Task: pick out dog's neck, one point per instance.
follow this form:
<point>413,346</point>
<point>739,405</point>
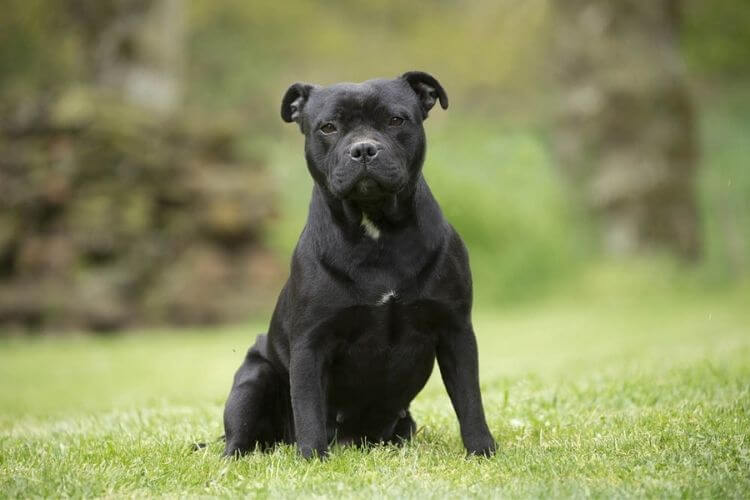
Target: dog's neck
<point>391,209</point>
<point>373,218</point>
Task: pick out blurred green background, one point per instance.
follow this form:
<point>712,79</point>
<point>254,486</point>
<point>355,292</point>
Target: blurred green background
<point>594,158</point>
<point>211,187</point>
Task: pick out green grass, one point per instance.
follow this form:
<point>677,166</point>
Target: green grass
<point>615,394</point>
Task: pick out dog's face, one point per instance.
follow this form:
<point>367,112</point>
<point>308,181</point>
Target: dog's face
<point>364,141</point>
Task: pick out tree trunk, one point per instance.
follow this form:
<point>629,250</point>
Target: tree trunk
<point>625,132</point>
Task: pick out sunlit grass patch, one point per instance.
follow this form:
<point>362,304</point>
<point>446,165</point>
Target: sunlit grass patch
<point>616,397</point>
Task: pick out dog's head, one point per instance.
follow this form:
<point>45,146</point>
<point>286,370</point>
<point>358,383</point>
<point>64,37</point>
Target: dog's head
<point>364,141</point>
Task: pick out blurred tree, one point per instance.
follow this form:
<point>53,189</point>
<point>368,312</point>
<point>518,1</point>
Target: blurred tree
<point>118,206</point>
<point>134,47</point>
<point>626,131</point>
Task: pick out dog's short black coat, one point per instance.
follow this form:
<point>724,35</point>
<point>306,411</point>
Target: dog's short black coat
<point>379,287</point>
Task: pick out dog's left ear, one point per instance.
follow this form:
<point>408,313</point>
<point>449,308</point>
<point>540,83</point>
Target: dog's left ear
<point>293,101</point>
<point>427,88</point>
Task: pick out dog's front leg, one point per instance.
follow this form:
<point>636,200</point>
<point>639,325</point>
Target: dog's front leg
<point>459,367</point>
<point>308,401</point>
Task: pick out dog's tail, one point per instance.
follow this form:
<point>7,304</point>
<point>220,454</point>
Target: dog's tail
<point>200,446</point>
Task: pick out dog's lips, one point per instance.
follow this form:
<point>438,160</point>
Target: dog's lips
<point>365,182</point>
<point>367,188</point>
<point>370,190</point>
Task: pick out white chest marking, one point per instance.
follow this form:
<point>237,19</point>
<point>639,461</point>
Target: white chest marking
<point>371,229</point>
<point>387,296</point>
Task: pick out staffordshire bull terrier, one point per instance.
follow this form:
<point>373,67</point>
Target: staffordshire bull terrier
<point>380,285</point>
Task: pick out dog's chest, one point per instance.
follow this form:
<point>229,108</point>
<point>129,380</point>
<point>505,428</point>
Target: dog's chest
<point>387,343</point>
<point>388,276</point>
<point>387,355</point>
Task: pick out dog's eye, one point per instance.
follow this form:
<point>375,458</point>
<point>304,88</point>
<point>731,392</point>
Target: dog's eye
<point>396,121</point>
<point>328,128</point>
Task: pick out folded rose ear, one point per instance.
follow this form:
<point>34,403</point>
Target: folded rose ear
<point>427,88</point>
<point>294,100</point>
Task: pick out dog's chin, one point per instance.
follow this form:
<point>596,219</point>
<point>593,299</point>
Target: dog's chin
<point>370,191</point>
<point>367,189</point>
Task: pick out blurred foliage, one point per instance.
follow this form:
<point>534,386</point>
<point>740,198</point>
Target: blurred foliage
<point>243,54</point>
<point>34,52</point>
<point>725,184</point>
<point>488,160</point>
<point>247,53</point>
<point>500,190</point>
<point>113,212</point>
<point>109,219</point>
<point>716,37</point>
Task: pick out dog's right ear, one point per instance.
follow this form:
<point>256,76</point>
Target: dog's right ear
<point>293,102</point>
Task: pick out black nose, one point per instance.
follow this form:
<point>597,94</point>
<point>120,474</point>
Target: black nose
<point>363,151</point>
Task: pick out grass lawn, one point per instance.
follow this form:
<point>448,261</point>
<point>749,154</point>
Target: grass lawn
<point>611,396</point>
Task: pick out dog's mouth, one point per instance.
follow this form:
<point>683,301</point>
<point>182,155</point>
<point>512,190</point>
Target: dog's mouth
<point>359,183</point>
<point>367,189</point>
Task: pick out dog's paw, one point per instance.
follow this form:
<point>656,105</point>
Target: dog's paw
<point>309,452</point>
<point>484,448</point>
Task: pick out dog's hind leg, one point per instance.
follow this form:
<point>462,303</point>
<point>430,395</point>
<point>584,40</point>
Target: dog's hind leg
<point>254,413</point>
<point>405,428</point>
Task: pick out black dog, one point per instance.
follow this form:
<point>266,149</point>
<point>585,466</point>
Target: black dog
<point>379,287</point>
